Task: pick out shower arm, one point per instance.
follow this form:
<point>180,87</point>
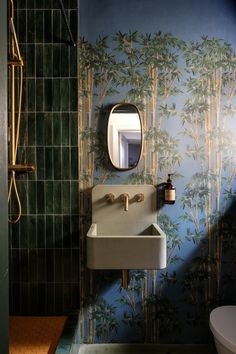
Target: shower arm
<point>67,23</point>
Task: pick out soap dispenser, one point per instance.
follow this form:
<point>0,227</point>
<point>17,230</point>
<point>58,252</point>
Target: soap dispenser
<point>169,191</point>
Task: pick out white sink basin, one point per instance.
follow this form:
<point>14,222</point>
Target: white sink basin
<point>146,250</point>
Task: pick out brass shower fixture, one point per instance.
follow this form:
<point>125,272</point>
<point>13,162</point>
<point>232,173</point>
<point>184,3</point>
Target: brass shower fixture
<point>15,62</point>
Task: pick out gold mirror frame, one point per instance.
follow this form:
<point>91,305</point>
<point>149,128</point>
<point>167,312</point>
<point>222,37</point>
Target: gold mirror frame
<point>134,110</point>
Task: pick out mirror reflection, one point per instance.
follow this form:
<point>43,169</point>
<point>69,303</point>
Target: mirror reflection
<point>124,136</point>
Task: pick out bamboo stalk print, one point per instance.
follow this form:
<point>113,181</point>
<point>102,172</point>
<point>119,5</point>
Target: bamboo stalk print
<point>144,69</point>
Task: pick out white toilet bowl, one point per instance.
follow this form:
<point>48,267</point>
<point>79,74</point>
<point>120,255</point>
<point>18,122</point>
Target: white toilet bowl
<point>223,327</point>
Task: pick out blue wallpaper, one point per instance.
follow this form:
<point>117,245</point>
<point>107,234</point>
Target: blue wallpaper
<point>176,61</point>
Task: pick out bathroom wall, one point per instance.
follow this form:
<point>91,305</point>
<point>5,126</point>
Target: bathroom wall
<point>44,247</point>
<point>176,61</point>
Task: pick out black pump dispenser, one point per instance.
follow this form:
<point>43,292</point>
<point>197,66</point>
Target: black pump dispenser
<point>169,191</point>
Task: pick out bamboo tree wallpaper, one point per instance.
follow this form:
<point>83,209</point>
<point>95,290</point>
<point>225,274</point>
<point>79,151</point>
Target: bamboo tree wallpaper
<point>185,90</point>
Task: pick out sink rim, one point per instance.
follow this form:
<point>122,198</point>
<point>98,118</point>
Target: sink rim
<point>92,233</point>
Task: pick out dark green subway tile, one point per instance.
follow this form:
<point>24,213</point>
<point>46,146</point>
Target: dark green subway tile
<point>74,197</point>
<point>22,190</point>
<point>31,94</point>
<point>47,25</point>
<point>41,266</point>
<point>66,297</point>
<point>74,23</point>
<point>47,63</point>
<point>58,265</point>
<point>31,129</point>
<point>48,94</point>
<point>73,4</point>
<point>24,232</point>
<point>49,163</point>
<point>23,129</point>
<point>75,295</point>
<point>48,128</point>
<point>39,95</point>
<point>30,61</point>
<point>66,231</point>
<point>56,94</point>
<point>40,165</point>
<point>58,297</point>
<point>39,4</point>
<point>20,4</point>
<point>24,298</point>
<point>65,104</point>
<point>15,288</point>
<point>31,159</point>
<point>65,37</point>
<point>40,197</point>
<point>57,163</point>
<point>73,129</point>
<point>30,4</point>
<point>75,265</point>
<point>33,256</point>
<point>24,265</point>
<point>39,27</point>
<point>49,197</point>
<point>74,163</point>
<point>33,298</point>
<point>15,266</point>
<point>42,298</point>
<point>31,26</point>
<point>41,231</point>
<point>65,163</point>
<point>24,104</point>
<point>21,34</point>
<point>55,4</point>
<point>57,197</point>
<point>66,266</point>
<point>48,4</point>
<point>56,26</point>
<point>40,129</point>
<point>65,124</point>
<point>56,60</point>
<point>58,231</point>
<point>64,61</point>
<point>56,129</point>
<point>39,60</point>
<point>66,197</point>
<point>73,94</point>
<point>32,186</point>
<point>73,61</point>
<point>21,156</point>
<point>50,299</point>
<point>50,265</point>
<point>74,231</point>
<point>32,231</point>
<point>49,232</point>
<point>15,235</point>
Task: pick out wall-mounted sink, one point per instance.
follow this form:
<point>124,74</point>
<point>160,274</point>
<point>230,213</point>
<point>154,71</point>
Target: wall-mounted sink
<point>145,250</point>
<point>124,233</point>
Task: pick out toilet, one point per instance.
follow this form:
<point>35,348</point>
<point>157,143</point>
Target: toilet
<point>223,327</point>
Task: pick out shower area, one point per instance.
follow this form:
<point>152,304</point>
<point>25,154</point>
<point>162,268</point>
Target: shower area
<point>42,175</point>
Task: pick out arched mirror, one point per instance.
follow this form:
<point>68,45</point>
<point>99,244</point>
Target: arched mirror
<point>124,136</point>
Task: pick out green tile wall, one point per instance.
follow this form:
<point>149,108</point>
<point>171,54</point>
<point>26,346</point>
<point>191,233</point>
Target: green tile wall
<point>44,245</point>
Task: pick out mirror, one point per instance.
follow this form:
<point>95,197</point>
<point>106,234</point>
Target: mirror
<point>124,136</point>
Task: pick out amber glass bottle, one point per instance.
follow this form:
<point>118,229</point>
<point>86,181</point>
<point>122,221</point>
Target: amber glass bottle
<point>169,191</point>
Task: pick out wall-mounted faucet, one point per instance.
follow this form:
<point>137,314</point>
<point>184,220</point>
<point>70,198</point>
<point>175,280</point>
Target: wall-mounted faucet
<point>125,198</point>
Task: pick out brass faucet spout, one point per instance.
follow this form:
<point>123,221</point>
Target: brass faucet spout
<point>125,198</point>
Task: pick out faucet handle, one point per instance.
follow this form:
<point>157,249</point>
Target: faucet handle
<point>139,197</point>
<point>110,197</point>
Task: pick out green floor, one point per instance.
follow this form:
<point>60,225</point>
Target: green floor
<point>146,349</point>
